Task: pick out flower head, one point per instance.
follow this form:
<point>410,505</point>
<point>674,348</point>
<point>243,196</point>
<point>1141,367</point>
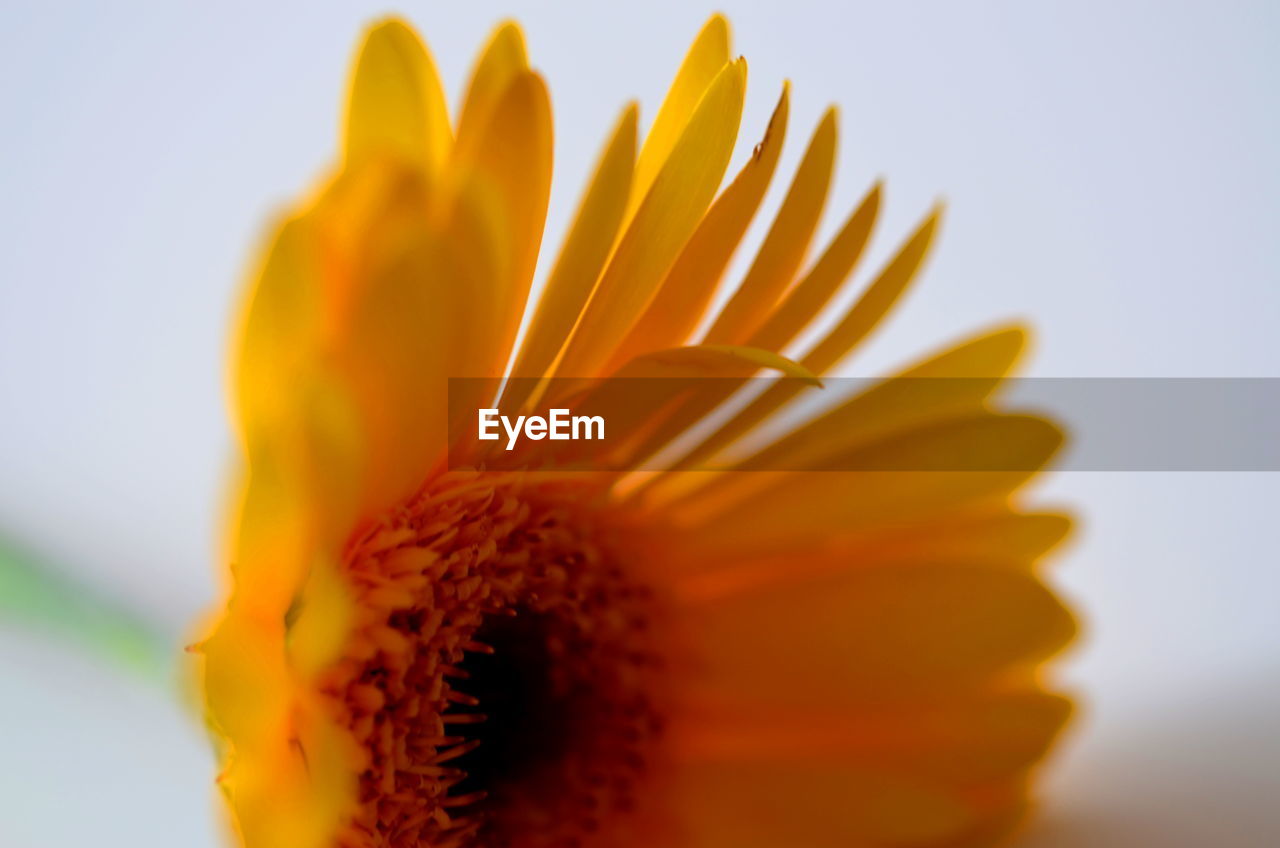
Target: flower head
<point>413,653</point>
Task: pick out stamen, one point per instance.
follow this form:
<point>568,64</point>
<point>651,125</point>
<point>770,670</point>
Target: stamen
<point>500,665</point>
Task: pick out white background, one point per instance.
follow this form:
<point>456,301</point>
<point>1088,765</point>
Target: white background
<point>1111,173</point>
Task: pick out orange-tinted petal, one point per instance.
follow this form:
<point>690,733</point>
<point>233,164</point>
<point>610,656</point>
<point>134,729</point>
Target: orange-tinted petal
<point>874,633</point>
<point>503,58</point>
<point>957,740</point>
<point>811,294</point>
<point>581,259</point>
<point>784,247</point>
<point>680,303</point>
<point>766,804</point>
<point>957,380</point>
<point>510,160</point>
<point>848,332</point>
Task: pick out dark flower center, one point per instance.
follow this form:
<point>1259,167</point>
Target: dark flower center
<point>527,721</point>
<point>500,678</point>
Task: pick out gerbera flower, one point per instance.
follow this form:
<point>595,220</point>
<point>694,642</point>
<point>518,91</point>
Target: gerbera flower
<point>414,654</point>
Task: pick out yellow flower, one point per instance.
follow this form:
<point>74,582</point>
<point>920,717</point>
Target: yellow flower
<point>416,655</point>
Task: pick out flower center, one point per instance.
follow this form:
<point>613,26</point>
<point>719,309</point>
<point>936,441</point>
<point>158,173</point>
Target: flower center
<point>499,680</point>
<point>526,719</point>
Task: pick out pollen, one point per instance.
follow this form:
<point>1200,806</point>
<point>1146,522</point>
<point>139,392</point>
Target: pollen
<point>499,684</point>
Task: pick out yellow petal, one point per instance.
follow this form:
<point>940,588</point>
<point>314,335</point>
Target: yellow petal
<point>986,457</point>
<point>812,293</point>
<point>877,300</point>
<point>726,369</point>
<point>295,793</point>
<point>713,361</point>
<point>503,58</point>
<point>685,293</point>
<point>320,619</point>
<point>852,329</point>
<point>645,394</point>
<point>510,159</point>
<point>304,475</point>
<point>424,284</point>
<point>246,682</point>
<point>670,212</point>
<point>396,105</point>
<point>707,56</point>
<point>784,248</point>
<point>948,383</point>
<point>578,267</point>
<point>280,323</point>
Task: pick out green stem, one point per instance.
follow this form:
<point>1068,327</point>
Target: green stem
<point>35,594</point>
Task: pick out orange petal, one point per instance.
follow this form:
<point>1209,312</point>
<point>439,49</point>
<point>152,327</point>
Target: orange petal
<point>877,300</point>
<point>812,293</point>
<point>994,534</point>
<point>581,259</point>
<point>954,740</point>
<point>645,392</point>
<point>784,247</point>
<point>503,58</point>
<point>680,303</point>
<point>852,329</point>
<point>768,804</point>
<point>897,482</point>
<point>510,159</point>
<point>873,634</point>
<point>957,380</point>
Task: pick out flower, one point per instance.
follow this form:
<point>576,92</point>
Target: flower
<point>417,654</point>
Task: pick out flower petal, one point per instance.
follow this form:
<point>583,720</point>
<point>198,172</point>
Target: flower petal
<point>503,58</point>
<point>510,159</point>
<point>764,804</point>
<point>712,361</point>
<point>902,477</point>
<point>811,294</point>
<point>951,382</point>
<point>396,104</point>
<point>585,251</point>
<point>878,299</point>
<point>644,393</point>
<point>784,247</point>
<point>852,329</point>
<point>680,303</point>
<point>957,739</point>
<point>666,218</point>
<point>874,634</point>
<point>707,56</point>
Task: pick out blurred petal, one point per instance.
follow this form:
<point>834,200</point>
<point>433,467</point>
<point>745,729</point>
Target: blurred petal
<point>396,105</point>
